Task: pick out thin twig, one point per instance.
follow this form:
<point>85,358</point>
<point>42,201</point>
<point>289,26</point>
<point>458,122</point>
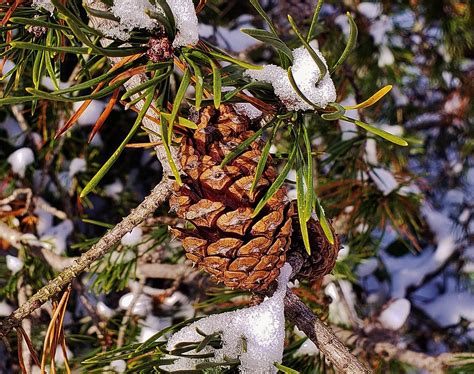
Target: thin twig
<point>321,335</point>
<point>390,351</point>
<point>157,197</point>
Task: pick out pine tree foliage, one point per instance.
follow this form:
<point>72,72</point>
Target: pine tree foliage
<point>62,95</point>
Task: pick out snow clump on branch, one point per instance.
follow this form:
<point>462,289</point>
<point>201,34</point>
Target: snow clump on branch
<point>132,15</point>
<point>306,74</point>
<point>262,327</point>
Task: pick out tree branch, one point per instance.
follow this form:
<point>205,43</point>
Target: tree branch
<point>321,335</point>
<point>390,351</point>
<point>157,197</point>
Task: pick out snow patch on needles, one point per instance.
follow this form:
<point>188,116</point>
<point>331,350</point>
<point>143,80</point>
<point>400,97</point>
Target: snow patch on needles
<point>262,326</point>
<point>306,74</point>
<point>132,15</point>
<point>44,4</point>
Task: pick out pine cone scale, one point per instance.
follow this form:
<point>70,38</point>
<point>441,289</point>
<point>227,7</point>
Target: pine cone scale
<point>236,248</point>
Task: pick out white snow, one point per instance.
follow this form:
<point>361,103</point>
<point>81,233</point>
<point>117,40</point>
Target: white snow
<point>308,347</point>
<point>449,308</point>
<point>119,366</point>
<point>371,152</point>
<point>20,159</point>
<point>15,134</point>
<point>247,109</point>
<point>59,356</point>
<point>48,83</point>
<point>132,16</point>
<point>114,190</point>
<point>152,325</point>
<point>410,270</point>
<point>133,237</point>
<point>186,22</point>
<point>394,316</point>
<point>379,29</point>
<point>370,10</point>
<point>367,267</point>
<point>384,180</point>
<point>306,73</point>
<point>5,309</point>
<point>104,311</point>
<point>342,307</point>
<point>77,165</point>
<point>7,66</point>
<point>91,114</point>
<point>341,21</point>
<point>14,264</point>
<point>44,4</point>
<point>57,235</point>
<point>349,130</point>
<point>262,326</point>
<point>141,307</point>
<point>386,57</point>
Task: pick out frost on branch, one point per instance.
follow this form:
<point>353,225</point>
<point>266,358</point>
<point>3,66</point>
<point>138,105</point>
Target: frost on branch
<point>306,74</point>
<point>132,16</point>
<point>262,327</point>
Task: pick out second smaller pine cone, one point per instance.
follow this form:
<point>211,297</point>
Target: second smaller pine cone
<point>323,253</point>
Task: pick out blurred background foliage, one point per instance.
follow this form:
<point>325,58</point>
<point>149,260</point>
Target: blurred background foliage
<point>423,48</point>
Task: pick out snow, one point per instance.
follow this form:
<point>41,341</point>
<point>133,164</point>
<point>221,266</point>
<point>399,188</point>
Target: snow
<point>307,348</point>
<point>153,325</point>
<point>48,83</point>
<point>395,315</point>
<point>119,366</point>
<point>247,109</point>
<point>379,29</point>
<point>343,252</point>
<point>77,165</point>
<point>342,307</point>
<point>371,152</point>
<point>262,326</point>
<point>8,65</point>
<point>370,10</point>
<point>410,270</point>
<point>44,4</point>
<point>349,130</point>
<point>57,236</point>
<point>306,73</point>
<point>449,308</point>
<point>341,21</point>
<point>91,114</point>
<point>186,22</point>
<point>114,190</point>
<point>59,356</point>
<point>14,264</point>
<point>5,309</point>
<point>142,305</point>
<point>15,134</point>
<point>20,159</point>
<point>132,16</point>
<point>104,311</point>
<point>386,57</point>
<point>384,180</point>
<point>367,267</point>
<point>133,237</point>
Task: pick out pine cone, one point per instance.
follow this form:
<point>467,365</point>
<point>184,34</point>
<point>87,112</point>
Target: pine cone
<point>323,253</point>
<point>235,248</point>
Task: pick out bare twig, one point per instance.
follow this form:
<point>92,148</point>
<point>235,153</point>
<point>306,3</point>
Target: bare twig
<point>159,195</point>
<point>390,351</point>
<point>321,335</point>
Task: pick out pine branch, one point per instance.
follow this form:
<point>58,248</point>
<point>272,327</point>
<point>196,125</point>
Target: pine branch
<point>321,335</point>
<point>390,351</point>
<point>157,197</point>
